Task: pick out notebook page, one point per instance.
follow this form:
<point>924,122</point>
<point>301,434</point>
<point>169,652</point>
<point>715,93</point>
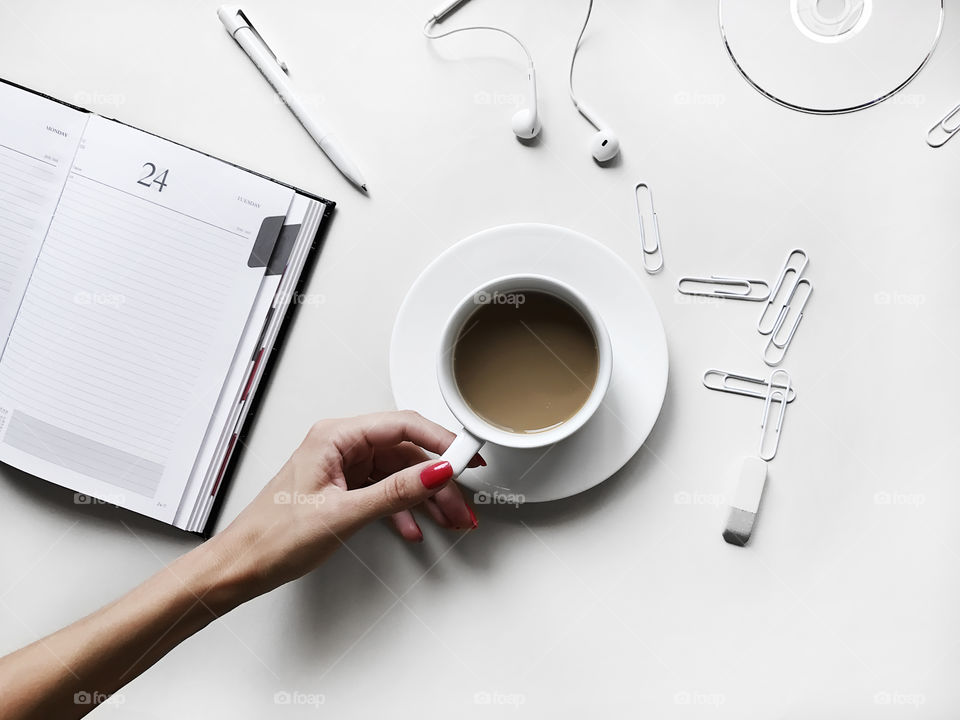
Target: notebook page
<point>286,296</point>
<point>220,425</point>
<point>38,139</point>
<point>132,317</point>
<point>300,228</point>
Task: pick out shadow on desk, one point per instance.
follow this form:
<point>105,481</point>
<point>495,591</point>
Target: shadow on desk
<point>377,574</point>
<point>72,506</point>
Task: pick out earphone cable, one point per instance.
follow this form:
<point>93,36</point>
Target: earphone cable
<point>518,41</point>
<point>573,62</point>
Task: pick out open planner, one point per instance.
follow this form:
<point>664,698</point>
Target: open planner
<point>143,287</point>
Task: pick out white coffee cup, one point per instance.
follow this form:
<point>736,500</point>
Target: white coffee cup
<point>477,431</point>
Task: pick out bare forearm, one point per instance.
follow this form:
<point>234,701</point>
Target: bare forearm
<point>320,497</point>
<point>64,674</point>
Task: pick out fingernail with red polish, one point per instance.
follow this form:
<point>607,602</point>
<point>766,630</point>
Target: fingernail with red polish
<point>433,476</point>
<point>473,518</point>
<point>482,461</point>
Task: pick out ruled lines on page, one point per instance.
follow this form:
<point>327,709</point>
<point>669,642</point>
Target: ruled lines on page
<point>133,315</point>
<point>106,346</point>
<point>26,184</point>
<point>38,140</point>
<point>253,356</point>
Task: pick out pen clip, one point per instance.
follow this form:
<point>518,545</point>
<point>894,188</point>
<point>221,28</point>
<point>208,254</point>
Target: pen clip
<point>280,62</point>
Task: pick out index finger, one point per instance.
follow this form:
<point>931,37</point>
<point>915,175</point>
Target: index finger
<point>358,436</point>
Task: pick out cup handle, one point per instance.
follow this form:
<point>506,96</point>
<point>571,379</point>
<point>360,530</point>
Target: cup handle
<point>461,451</point>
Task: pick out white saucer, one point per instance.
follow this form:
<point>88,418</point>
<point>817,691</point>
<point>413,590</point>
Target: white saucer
<point>637,386</point>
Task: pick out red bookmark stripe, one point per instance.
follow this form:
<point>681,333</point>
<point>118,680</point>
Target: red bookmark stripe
<point>223,467</point>
<point>253,374</point>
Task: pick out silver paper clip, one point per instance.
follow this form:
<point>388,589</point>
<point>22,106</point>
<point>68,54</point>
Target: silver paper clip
<point>778,390</point>
<point>777,345</point>
<point>793,268</point>
<point>725,288</point>
<point>745,385</point>
<point>652,254</point>
<point>941,132</point>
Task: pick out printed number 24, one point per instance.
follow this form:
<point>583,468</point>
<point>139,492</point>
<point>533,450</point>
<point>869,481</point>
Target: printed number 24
<point>152,177</point>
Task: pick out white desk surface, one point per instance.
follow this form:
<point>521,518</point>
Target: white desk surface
<point>625,600</point>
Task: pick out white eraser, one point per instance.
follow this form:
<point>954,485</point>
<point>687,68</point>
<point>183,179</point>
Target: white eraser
<point>746,501</point>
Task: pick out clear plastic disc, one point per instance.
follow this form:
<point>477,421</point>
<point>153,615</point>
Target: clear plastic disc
<point>830,56</point>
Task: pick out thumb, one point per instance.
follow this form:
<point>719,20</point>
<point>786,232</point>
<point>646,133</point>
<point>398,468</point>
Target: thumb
<point>402,490</point>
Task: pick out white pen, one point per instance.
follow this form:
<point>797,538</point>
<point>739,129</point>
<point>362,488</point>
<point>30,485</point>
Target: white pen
<point>275,71</point>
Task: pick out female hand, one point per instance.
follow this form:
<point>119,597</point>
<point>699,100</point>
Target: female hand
<point>344,474</point>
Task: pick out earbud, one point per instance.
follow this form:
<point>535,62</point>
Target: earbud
<point>526,124</point>
<point>526,121</point>
<point>604,145</point>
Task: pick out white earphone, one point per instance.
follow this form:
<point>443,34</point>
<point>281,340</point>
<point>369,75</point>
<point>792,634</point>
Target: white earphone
<point>525,121</point>
<point>604,145</point>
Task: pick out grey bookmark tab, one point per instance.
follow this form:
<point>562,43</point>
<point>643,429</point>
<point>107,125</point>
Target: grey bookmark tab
<point>283,248</point>
<point>266,241</point>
